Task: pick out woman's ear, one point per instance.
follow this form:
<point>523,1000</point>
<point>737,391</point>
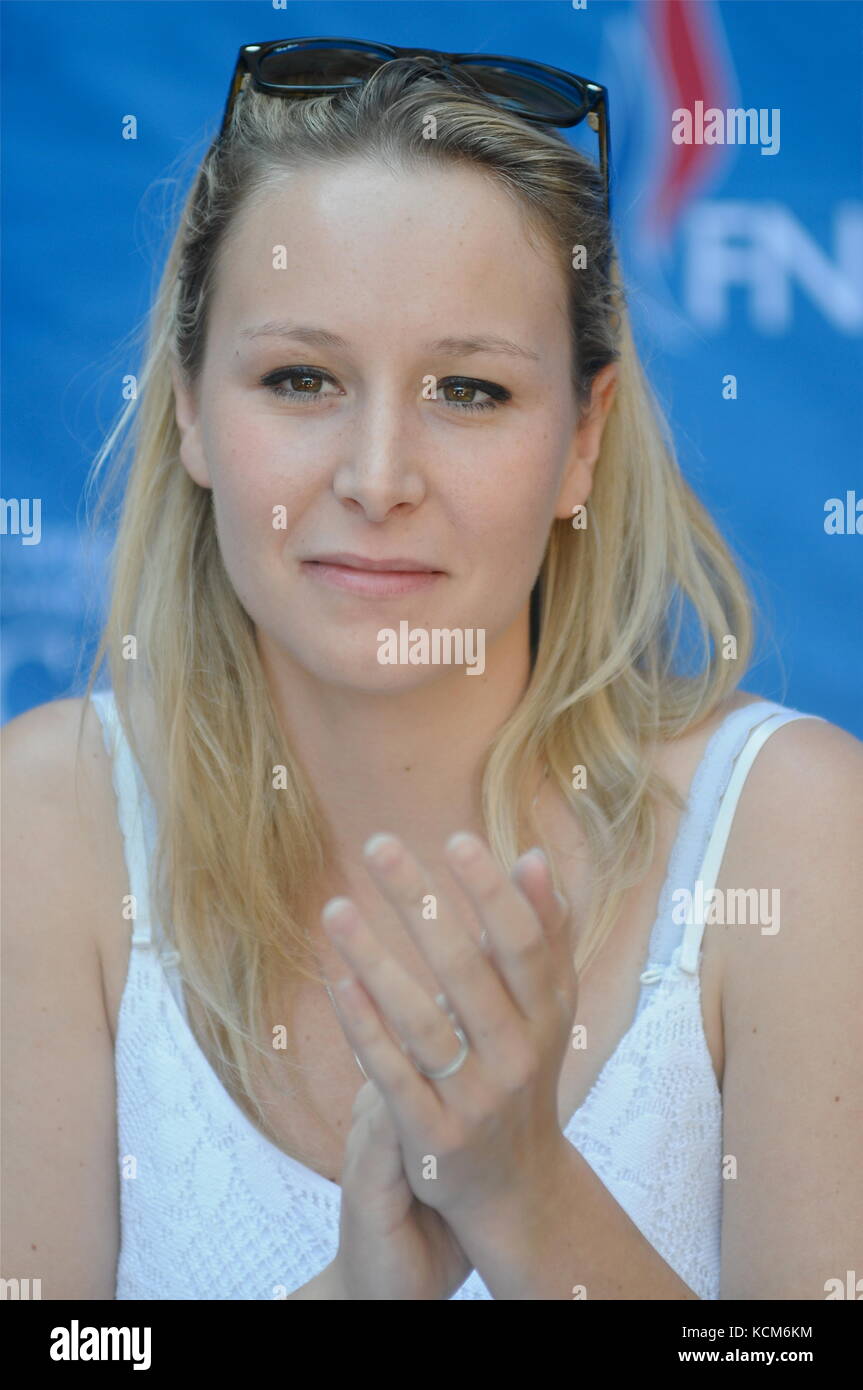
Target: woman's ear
<point>586,441</point>
<point>188,423</point>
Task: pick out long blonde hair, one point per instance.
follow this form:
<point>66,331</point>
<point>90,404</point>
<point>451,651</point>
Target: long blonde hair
<point>239,862</point>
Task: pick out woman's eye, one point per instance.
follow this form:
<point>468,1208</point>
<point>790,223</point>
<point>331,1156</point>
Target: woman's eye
<point>466,388</point>
<point>304,385</point>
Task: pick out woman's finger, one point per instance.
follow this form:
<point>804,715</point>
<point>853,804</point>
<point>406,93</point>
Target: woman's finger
<point>384,993</point>
<point>532,877</point>
<point>516,935</point>
<point>468,978</point>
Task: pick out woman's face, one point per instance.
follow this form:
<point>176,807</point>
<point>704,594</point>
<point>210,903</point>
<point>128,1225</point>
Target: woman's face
<point>344,299</point>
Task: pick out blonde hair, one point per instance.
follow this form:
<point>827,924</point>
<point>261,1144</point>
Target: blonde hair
<point>239,864</point>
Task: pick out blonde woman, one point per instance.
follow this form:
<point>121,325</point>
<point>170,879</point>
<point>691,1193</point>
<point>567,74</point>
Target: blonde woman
<point>294,1007</point>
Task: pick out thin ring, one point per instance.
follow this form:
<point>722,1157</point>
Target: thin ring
<point>457,1062</point>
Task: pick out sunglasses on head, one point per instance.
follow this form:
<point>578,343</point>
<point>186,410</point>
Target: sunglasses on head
<point>533,91</point>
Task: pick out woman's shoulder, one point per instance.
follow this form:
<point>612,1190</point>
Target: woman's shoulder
<point>43,730</point>
<point>810,748</point>
<point>793,856</point>
<point>801,799</point>
<point>61,824</point>
<point>804,754</point>
<point>55,757</point>
<point>799,818</point>
<point>796,831</point>
<point>43,761</point>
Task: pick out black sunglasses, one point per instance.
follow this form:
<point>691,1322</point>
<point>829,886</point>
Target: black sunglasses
<point>533,91</point>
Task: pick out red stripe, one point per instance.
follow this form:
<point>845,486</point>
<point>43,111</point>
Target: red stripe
<point>682,43</point>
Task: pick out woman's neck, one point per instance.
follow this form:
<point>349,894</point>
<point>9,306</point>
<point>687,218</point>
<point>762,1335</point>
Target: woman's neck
<point>410,762</point>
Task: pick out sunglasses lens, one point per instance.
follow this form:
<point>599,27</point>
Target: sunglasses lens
<point>520,92</point>
<point>319,66</point>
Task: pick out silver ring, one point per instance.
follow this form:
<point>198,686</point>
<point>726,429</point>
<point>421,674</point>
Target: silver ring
<point>454,1065</point>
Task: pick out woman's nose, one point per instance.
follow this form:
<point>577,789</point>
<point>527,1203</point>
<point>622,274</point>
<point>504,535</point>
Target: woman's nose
<point>381,469</point>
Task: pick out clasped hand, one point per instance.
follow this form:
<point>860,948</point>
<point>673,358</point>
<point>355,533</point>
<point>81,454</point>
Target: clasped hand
<point>488,1133</point>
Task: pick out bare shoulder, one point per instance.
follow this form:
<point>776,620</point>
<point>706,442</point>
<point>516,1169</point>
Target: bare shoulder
<point>46,737</point>
<point>804,786</point>
<point>813,748</point>
<point>798,830</point>
<point>41,784</point>
<point>40,732</point>
<point>810,748</point>
<point>60,824</point>
<point>57,778</point>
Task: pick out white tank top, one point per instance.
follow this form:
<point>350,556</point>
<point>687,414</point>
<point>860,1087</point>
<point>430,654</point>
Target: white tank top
<point>212,1209</point>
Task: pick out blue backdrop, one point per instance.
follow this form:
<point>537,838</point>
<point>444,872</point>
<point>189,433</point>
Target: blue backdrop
<point>742,264</point>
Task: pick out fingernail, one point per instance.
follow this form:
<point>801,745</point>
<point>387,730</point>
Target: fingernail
<point>339,913</point>
<point>463,847</point>
<point>383,850</point>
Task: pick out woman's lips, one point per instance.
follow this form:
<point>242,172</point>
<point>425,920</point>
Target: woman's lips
<point>371,583</point>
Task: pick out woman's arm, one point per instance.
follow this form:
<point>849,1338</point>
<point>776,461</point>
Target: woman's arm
<point>325,1285</point>
<point>572,1241</point>
<point>60,1181</point>
<point>793,1215</point>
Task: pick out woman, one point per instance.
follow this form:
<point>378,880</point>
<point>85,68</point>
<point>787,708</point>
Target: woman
<point>513,1076</point>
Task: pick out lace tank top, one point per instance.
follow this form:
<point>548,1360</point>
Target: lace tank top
<point>216,1211</point>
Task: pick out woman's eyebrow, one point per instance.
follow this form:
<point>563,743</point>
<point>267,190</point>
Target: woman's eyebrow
<point>451,347</point>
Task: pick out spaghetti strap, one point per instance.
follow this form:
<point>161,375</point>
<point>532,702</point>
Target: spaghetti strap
<point>713,855</point>
<point>129,813</point>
